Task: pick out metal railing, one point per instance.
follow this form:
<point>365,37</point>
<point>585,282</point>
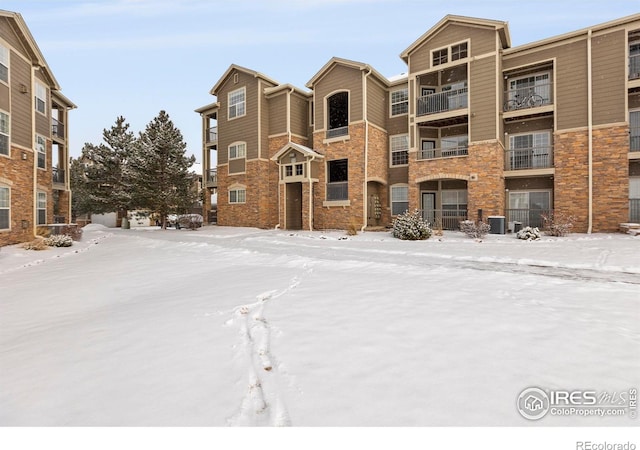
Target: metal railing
<point>434,153</point>
<point>443,101</point>
<point>212,177</point>
<point>528,97</point>
<point>336,132</point>
<point>57,128</point>
<point>634,210</point>
<point>212,135</point>
<point>445,219</point>
<point>634,67</point>
<point>57,175</point>
<point>338,191</point>
<point>634,140</point>
<point>529,158</point>
<point>527,217</point>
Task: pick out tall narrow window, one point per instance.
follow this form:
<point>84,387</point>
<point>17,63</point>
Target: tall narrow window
<point>5,208</point>
<point>400,150</point>
<point>634,60</point>
<point>399,199</point>
<point>41,147</point>
<point>399,102</point>
<point>338,114</point>
<point>237,103</point>
<point>4,64</point>
<point>42,208</point>
<point>41,98</point>
<point>4,133</point>
<point>634,131</point>
<point>338,180</point>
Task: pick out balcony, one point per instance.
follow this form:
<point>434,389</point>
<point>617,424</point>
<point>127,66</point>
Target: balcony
<point>57,128</point>
<point>540,157</point>
<point>526,98</point>
<point>212,135</point>
<point>634,210</point>
<point>634,140</point>
<point>58,175</point>
<point>443,102</point>
<point>212,178</point>
<point>634,67</point>
<point>444,219</point>
<point>446,152</point>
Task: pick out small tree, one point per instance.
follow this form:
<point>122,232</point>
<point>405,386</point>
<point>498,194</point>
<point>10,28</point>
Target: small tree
<point>411,226</point>
<point>163,182</point>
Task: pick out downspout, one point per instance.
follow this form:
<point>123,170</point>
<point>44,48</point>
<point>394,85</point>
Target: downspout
<point>310,191</point>
<point>590,127</point>
<point>365,204</point>
<point>34,211</point>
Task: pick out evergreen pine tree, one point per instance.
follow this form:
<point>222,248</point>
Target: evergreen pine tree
<point>108,179</point>
<point>164,183</point>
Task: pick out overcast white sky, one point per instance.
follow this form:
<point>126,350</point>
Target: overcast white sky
<point>137,57</point>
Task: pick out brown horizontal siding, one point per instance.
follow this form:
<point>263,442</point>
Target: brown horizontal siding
<point>482,92</point>
<point>21,104</point>
<point>339,78</point>
<point>4,97</point>
<point>6,33</point>
<point>609,71</point>
<point>299,115</point>
<point>278,114</point>
<point>528,126</point>
<point>377,103</point>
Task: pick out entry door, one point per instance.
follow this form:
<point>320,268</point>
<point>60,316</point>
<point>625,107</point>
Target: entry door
<point>429,207</point>
<point>294,206</point>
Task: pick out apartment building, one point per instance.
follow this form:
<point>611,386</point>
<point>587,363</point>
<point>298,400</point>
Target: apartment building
<point>475,128</point>
<point>34,154</point>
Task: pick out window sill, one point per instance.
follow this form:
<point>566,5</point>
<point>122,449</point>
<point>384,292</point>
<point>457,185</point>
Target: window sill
<point>336,203</point>
<point>344,138</point>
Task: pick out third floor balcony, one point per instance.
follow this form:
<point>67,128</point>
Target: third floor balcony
<point>451,98</point>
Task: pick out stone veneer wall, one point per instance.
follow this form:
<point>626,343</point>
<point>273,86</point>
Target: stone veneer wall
<point>571,186</point>
<point>17,174</point>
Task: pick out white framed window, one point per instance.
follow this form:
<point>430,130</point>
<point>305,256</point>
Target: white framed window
<point>238,150</point>
<point>5,208</point>
<point>459,51</point>
<point>41,148</point>
<point>237,195</point>
<point>237,107</point>
<point>399,150</point>
<point>41,98</point>
<point>4,133</point>
<point>4,64</point>
<point>440,56</point>
<point>42,208</point>
<point>399,102</point>
<point>399,199</point>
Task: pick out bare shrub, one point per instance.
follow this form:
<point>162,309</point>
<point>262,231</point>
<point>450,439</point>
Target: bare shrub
<point>475,230</point>
<point>36,244</point>
<point>557,224</point>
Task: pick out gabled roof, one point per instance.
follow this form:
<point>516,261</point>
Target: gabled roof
<point>501,27</point>
<point>23,33</point>
<point>208,108</point>
<point>233,67</point>
<point>62,100</point>
<point>348,63</point>
<point>306,151</point>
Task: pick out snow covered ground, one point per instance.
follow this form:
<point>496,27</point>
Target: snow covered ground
<point>233,326</point>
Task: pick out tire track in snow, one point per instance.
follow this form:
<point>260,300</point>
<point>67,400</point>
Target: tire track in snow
<point>263,403</point>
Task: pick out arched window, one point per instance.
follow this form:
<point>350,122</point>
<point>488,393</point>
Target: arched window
<point>338,114</point>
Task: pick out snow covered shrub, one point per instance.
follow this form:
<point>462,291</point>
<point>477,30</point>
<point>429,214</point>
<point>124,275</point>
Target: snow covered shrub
<point>475,230</point>
<point>73,231</point>
<point>528,234</point>
<point>36,244</point>
<point>557,224</point>
<point>411,226</point>
<point>59,240</point>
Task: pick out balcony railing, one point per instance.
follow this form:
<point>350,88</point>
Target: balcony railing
<point>443,101</point>
<point>529,158</point>
<point>58,175</point>
<point>527,217</point>
<point>337,132</point>
<point>634,140</point>
<point>445,219</point>
<point>338,191</point>
<point>528,97</point>
<point>634,67</point>
<point>212,135</point>
<point>57,128</point>
<point>434,153</point>
<point>634,210</point>
<point>212,177</point>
